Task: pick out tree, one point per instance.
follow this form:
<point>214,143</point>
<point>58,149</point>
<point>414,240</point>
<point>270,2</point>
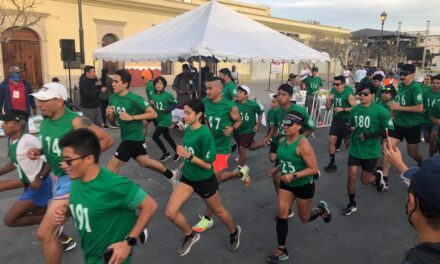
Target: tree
<point>16,15</point>
<point>336,47</point>
<point>358,50</point>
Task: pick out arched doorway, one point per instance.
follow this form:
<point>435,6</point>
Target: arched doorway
<point>23,50</point>
<point>109,65</point>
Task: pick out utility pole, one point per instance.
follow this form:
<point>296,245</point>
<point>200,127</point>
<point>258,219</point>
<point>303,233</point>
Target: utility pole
<point>81,32</point>
<point>424,43</point>
<point>399,28</point>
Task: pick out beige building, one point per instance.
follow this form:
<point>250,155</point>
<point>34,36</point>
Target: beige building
<point>37,49</point>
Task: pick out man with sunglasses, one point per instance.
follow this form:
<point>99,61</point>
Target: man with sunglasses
<point>377,82</point>
<point>408,115</point>
<point>368,123</point>
<point>341,98</point>
<point>102,203</point>
<point>434,114</point>
<point>57,122</point>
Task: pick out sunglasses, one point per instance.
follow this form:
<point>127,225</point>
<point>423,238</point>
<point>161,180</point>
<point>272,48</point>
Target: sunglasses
<point>404,73</point>
<point>290,124</point>
<point>69,161</point>
<point>363,94</point>
<point>336,84</point>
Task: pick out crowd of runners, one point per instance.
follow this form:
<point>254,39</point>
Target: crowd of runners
<point>111,212</point>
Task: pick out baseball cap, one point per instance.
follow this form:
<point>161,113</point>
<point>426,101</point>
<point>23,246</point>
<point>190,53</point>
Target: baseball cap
<point>147,74</point>
<point>16,115</point>
<point>244,88</point>
<point>389,88</point>
<point>378,77</point>
<point>425,180</point>
<point>14,69</point>
<point>292,76</point>
<point>50,91</point>
<point>292,117</point>
<point>409,67</point>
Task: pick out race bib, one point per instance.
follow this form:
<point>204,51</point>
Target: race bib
<point>16,95</point>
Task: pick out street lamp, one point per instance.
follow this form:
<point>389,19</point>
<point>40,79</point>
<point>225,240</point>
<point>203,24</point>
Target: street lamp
<point>383,17</point>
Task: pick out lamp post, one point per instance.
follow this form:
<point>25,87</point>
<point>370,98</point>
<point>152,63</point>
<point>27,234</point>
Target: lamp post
<point>383,17</point>
<point>81,32</point>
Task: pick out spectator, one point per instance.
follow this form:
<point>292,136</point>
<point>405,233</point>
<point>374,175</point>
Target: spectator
<point>206,74</point>
<point>194,76</point>
<point>360,74</point>
<point>347,74</point>
<point>14,93</point>
<point>89,91</point>
<point>184,86</point>
<point>106,91</point>
<point>55,79</point>
<point>423,205</point>
<point>234,74</point>
<point>292,81</point>
<point>305,72</point>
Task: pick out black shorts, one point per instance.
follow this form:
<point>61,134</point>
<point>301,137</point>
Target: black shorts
<point>273,147</point>
<point>339,128</point>
<point>246,140</point>
<point>130,149</point>
<point>204,188</point>
<point>367,165</point>
<point>411,134</point>
<point>302,192</point>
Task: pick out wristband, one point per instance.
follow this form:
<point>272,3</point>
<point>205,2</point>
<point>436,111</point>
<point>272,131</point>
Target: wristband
<point>191,158</point>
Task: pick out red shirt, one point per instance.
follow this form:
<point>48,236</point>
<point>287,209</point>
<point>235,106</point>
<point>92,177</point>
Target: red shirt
<point>18,95</point>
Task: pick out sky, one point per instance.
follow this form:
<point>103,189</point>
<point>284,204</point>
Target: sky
<point>356,14</point>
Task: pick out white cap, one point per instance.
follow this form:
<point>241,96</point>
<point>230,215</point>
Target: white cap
<point>420,79</point>
<point>50,91</point>
<point>245,88</point>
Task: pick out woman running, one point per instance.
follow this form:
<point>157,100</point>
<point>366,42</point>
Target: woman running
<point>297,166</point>
<point>198,176</point>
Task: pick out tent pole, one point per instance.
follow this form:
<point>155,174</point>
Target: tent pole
<point>270,72</point>
<point>200,78</point>
<point>282,72</point>
<point>328,75</point>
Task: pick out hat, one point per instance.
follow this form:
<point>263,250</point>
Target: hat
<point>50,91</point>
<point>378,77</point>
<point>389,88</point>
<point>147,74</point>
<point>14,69</point>
<point>425,180</point>
<point>292,75</point>
<point>292,117</point>
<point>16,115</point>
<point>409,67</point>
<point>244,88</point>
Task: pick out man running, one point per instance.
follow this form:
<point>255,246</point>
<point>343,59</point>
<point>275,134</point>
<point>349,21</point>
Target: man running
<point>223,118</point>
<point>103,204</point>
<point>368,123</point>
<point>148,77</point>
<point>130,110</point>
<point>431,97</point>
<point>57,122</point>
<point>342,100</point>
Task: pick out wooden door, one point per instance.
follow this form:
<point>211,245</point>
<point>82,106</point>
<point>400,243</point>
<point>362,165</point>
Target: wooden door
<point>24,51</point>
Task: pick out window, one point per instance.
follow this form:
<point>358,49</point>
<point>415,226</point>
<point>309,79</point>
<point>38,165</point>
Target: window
<point>166,68</point>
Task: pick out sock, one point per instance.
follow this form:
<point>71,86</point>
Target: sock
<point>332,158</point>
<point>351,197</point>
<point>282,230</point>
<point>385,179</point>
<point>207,217</point>
<point>168,174</point>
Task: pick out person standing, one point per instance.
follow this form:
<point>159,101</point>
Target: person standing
<point>359,75</point>
<point>198,148</point>
<point>14,93</point>
<point>347,74</point>
<point>234,74</point>
<point>184,86</point>
<point>311,84</point>
<point>292,81</point>
<point>89,91</point>
<point>106,91</point>
<point>229,87</point>
<point>110,211</point>
<point>305,72</point>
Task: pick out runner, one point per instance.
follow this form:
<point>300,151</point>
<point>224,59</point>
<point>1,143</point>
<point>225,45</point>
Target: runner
<point>223,118</point>
<point>434,115</point>
<point>368,123</point>
<point>248,110</point>
<point>148,77</point>
<point>33,174</point>
<point>164,103</point>
<point>431,97</point>
<point>408,116</point>
<point>377,82</point>
<point>297,166</point>
<point>229,87</point>
<point>270,118</point>
<point>103,204</point>
<point>57,122</point>
<point>198,176</point>
<point>342,100</point>
<point>311,84</point>
<point>130,109</point>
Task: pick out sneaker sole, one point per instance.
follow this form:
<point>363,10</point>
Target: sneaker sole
<point>71,247</point>
<point>238,228</point>
<point>352,211</point>
<point>169,157</point>
<point>143,237</point>
<point>177,159</point>
<point>200,230</point>
<point>197,238</point>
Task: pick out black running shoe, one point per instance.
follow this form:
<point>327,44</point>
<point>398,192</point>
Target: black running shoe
<point>234,240</point>
<point>351,208</point>
<point>379,182</point>
<point>326,215</point>
<point>143,237</point>
<point>317,175</point>
<point>331,167</point>
<point>176,157</point>
<point>280,255</point>
<point>165,157</point>
<point>188,242</point>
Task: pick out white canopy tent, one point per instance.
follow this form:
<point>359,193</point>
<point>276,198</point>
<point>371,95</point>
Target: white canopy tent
<point>211,30</point>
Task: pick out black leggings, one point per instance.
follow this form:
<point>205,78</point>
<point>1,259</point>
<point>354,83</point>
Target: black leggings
<point>166,134</point>
<point>104,104</point>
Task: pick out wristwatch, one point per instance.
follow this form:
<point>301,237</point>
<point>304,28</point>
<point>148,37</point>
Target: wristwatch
<point>132,241</point>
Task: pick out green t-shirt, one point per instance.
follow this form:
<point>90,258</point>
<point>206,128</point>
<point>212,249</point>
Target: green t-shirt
<point>312,84</point>
<point>161,102</point>
<point>291,162</point>
<point>365,80</point>
<point>229,90</point>
<point>378,95</point>
<point>372,118</point>
<point>430,100</point>
<point>280,113</point>
<point>270,117</point>
<point>409,95</point>
<point>103,211</point>
<point>342,100</point>
<point>132,104</point>
<point>149,89</point>
<point>13,156</point>
<point>218,116</point>
<point>435,112</point>
<point>385,104</point>
<point>51,132</point>
<point>200,143</point>
<point>248,112</point>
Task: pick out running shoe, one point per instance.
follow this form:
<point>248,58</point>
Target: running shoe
<point>113,126</point>
<point>326,215</point>
<point>245,175</point>
<point>379,182</point>
<point>188,242</point>
<point>68,245</point>
<point>291,213</point>
<point>351,208</point>
<point>176,157</point>
<point>165,157</point>
<point>278,256</point>
<point>317,175</point>
<point>175,179</point>
<point>181,126</point>
<point>143,237</point>
<point>234,239</point>
<point>385,187</point>
<point>331,167</point>
<point>203,224</point>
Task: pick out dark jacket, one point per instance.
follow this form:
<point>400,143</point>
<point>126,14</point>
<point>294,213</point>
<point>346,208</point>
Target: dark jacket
<point>89,92</point>
<point>5,97</point>
<point>108,82</point>
<point>423,253</point>
<point>184,88</point>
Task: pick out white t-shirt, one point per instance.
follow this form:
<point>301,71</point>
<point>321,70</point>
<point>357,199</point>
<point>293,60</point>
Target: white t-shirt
<point>359,75</point>
<point>346,74</point>
<point>304,73</point>
<point>30,167</point>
